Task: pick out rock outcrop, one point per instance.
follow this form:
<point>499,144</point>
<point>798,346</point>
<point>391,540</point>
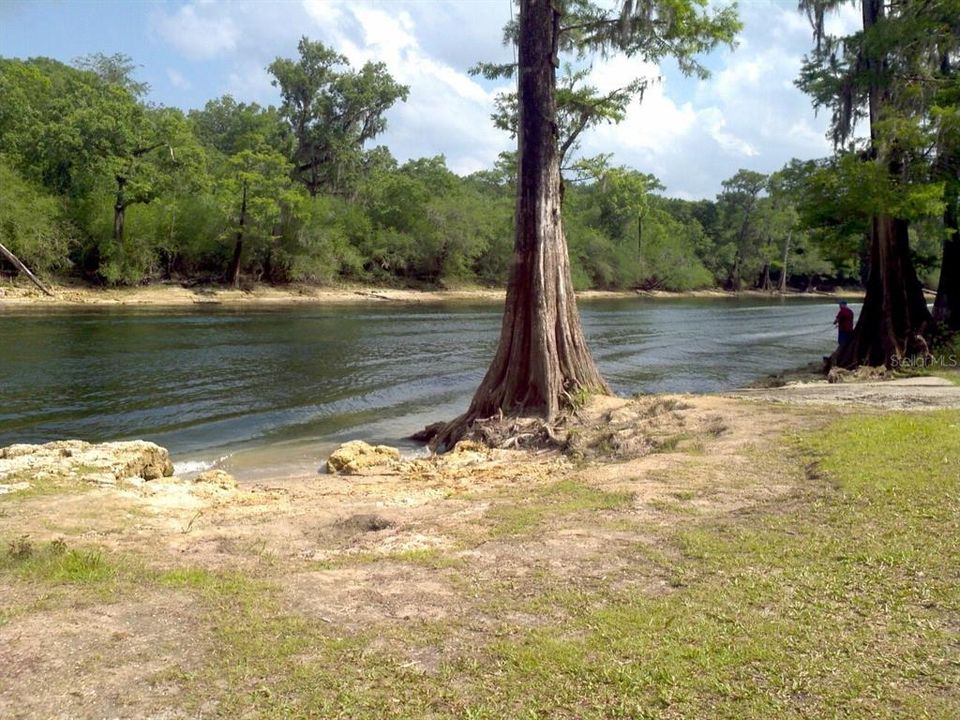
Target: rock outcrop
<point>103,464</point>
<point>220,478</point>
<point>354,457</point>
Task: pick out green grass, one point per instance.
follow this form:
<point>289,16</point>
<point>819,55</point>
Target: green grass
<point>844,606</point>
<point>566,497</point>
<point>430,557</point>
<point>40,486</point>
<point>55,564</point>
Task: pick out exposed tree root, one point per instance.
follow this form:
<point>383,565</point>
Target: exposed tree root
<point>604,428</point>
<point>498,431</point>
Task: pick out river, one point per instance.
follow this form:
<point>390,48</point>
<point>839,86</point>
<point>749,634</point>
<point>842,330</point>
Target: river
<point>260,389</point>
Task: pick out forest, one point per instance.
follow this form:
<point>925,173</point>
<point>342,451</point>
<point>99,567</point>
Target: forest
<point>100,185</point>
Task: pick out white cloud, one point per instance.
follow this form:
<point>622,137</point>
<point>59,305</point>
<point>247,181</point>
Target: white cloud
<point>200,31</point>
<point>713,121</point>
<point>322,12</point>
<point>177,79</point>
<point>251,81</point>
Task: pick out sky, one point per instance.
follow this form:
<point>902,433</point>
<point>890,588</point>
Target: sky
<point>690,133</point>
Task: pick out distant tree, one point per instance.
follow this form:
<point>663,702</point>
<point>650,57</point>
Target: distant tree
<point>332,110</point>
<point>256,185</point>
<point>739,208</point>
<point>542,358</point>
<point>87,137</point>
<point>230,127</point>
<point>116,69</point>
<point>945,114</point>
<point>783,226</point>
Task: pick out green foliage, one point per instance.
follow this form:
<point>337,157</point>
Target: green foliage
<point>332,112</point>
<point>116,69</point>
<point>898,73</point>
<point>229,127</point>
<point>32,223</point>
<point>319,246</point>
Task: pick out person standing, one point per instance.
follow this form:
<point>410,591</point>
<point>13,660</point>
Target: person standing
<point>844,323</point>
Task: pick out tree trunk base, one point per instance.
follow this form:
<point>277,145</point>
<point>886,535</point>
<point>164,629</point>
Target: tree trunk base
<point>894,322</point>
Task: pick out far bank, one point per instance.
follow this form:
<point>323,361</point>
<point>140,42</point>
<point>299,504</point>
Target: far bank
<point>175,294</point>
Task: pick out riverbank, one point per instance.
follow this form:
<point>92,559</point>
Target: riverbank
<point>174,295</point>
<point>689,556</point>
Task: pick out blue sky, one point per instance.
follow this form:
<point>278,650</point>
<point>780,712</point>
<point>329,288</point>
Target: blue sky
<point>692,134</point>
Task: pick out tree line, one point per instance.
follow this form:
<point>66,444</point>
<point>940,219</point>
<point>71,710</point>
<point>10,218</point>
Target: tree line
<point>97,182</point>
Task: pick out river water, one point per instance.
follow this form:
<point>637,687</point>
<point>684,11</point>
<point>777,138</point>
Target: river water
<point>254,390</point>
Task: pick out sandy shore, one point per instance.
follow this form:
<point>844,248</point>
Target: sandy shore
<point>173,295</point>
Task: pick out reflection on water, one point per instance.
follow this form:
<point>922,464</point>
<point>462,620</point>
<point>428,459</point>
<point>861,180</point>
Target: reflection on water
<point>285,385</point>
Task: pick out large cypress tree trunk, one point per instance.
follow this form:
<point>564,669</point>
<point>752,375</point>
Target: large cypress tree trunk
<point>542,357</point>
<point>894,317</point>
<point>946,310</point>
<point>894,311</point>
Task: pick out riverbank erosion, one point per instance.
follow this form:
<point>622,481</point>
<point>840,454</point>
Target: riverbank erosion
<point>175,295</point>
<point>685,556</point>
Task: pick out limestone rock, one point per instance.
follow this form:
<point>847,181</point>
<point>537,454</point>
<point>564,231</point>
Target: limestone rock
<point>356,456</point>
<point>466,452</point>
<point>219,478</point>
<point>102,464</point>
<point>14,487</point>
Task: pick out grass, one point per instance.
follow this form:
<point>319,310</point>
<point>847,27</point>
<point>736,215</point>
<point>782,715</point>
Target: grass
<point>566,497</point>
<point>55,564</point>
<point>844,606</point>
<point>948,374</point>
<point>40,485</point>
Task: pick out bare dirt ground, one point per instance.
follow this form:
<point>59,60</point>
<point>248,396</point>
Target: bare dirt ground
<point>440,540</point>
<point>917,393</point>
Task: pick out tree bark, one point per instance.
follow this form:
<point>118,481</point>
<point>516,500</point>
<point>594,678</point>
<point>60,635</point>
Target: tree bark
<point>786,256</point>
<point>119,210</point>
<point>894,318</point>
<point>946,309</point>
<point>542,357</point>
<point>18,264</point>
<point>894,313</point>
<point>233,272</point>
<point>734,281</point>
<point>765,283</point>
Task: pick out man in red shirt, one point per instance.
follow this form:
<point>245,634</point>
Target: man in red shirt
<point>844,323</point>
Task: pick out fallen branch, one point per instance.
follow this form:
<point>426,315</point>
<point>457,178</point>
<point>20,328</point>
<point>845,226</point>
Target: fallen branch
<point>24,269</point>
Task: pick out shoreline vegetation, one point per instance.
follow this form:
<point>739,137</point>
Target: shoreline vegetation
<point>176,295</point>
<point>753,555</point>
